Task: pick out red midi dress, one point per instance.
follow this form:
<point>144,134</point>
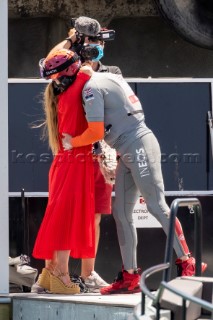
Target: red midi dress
<point>68,223</point>
<point>103,191</point>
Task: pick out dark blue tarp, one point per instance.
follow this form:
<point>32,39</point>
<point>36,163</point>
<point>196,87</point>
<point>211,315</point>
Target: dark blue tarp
<point>176,112</point>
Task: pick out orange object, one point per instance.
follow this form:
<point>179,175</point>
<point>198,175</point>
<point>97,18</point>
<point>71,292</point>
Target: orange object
<point>93,133</point>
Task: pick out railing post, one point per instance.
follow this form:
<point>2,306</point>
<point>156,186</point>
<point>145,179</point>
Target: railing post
<point>183,309</point>
<point>197,234</point>
<point>144,290</point>
<point>170,240</point>
<point>143,302</point>
<point>23,206</point>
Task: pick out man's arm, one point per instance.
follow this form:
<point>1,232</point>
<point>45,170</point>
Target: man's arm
<point>94,111</point>
<point>93,133</point>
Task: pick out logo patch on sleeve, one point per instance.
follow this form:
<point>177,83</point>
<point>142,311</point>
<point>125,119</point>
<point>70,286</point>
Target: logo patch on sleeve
<point>133,98</point>
<point>88,94</point>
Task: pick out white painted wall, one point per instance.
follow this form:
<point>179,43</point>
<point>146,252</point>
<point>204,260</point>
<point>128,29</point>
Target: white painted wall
<point>4,208</point>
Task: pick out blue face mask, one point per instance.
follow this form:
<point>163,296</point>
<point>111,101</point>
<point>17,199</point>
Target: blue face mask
<point>100,51</point>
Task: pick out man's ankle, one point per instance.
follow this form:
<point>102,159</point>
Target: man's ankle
<point>185,257</point>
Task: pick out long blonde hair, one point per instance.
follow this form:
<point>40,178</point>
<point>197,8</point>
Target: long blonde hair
<point>51,118</point>
<point>50,101</point>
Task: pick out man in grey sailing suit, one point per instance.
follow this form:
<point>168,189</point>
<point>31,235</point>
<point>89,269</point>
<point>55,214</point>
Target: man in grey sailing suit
<point>112,107</point>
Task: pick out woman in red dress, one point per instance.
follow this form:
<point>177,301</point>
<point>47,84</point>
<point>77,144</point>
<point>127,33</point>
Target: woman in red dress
<point>67,228</point>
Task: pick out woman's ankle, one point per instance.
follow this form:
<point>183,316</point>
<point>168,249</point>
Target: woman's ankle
<point>63,276</point>
<point>50,267</point>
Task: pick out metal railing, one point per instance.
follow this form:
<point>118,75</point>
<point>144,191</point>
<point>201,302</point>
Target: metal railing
<point>164,285</point>
<point>185,297</point>
<point>166,266</point>
<point>145,291</point>
<point>197,233</point>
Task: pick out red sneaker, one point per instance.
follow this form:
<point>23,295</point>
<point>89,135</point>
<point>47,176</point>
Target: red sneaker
<point>187,267</point>
<point>124,283</point>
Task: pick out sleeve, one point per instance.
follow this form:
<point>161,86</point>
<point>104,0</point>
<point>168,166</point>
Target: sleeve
<point>94,110</point>
<point>93,102</point>
<point>93,133</point>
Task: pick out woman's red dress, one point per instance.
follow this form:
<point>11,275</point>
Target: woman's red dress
<point>68,223</point>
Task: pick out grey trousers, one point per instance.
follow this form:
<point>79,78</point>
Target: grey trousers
<point>139,173</point>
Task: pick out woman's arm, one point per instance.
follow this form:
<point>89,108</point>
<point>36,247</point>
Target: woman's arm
<point>67,43</point>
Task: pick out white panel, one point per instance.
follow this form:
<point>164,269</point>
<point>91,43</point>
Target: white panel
<point>4,228</point>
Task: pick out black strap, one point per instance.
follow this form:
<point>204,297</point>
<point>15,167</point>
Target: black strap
<point>134,112</point>
<point>47,73</point>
